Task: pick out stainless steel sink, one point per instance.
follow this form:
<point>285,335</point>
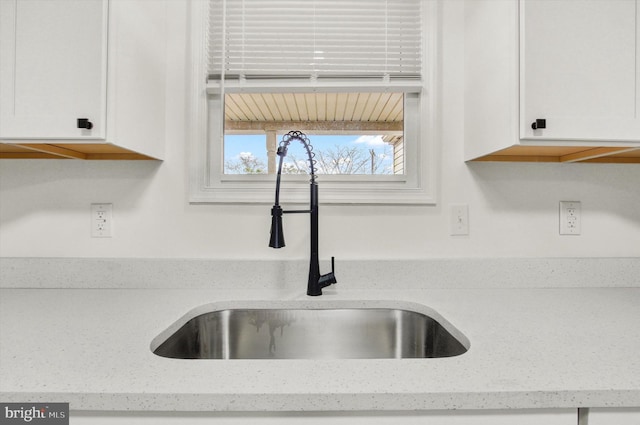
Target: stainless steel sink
<point>310,333</point>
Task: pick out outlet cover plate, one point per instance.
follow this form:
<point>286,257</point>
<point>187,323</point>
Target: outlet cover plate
<point>570,217</point>
<point>101,220</point>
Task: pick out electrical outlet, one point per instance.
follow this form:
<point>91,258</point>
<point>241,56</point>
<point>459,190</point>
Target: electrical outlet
<point>570,218</point>
<point>459,220</point>
<point>101,220</point>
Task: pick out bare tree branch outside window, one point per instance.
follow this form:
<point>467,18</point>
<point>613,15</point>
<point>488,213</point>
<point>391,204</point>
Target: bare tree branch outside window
<point>339,159</point>
<point>342,160</point>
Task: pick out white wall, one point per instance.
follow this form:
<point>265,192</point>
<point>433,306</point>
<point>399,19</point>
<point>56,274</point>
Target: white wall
<point>44,204</point>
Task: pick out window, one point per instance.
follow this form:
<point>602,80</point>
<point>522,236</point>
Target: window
<point>352,133</point>
<point>352,75</point>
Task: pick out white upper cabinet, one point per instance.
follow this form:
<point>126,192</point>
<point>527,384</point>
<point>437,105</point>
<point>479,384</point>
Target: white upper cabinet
<point>424,417</point>
<point>554,81</point>
<point>53,68</point>
<point>614,416</point>
<point>82,78</point>
<point>578,68</point>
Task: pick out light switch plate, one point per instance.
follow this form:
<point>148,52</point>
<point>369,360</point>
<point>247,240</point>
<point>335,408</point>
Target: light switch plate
<point>459,220</point>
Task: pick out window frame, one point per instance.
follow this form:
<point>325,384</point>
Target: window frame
<point>209,184</point>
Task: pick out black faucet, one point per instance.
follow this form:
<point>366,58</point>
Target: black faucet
<point>316,280</point>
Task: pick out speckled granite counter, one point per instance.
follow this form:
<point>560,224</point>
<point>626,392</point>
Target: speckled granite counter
<point>530,348</point>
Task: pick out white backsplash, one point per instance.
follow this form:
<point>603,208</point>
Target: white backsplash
<point>351,274</point>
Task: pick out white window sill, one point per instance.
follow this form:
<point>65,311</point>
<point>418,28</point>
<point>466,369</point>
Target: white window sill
<point>295,189</point>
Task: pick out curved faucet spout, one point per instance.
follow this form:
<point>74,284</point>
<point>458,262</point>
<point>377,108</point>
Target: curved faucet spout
<point>316,280</point>
<point>282,152</point>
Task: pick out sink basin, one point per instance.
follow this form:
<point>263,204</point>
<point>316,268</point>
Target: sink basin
<point>310,333</point>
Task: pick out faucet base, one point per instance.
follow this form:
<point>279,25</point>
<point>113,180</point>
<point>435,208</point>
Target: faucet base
<point>314,289</point>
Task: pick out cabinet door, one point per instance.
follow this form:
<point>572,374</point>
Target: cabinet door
<point>578,69</point>
<point>52,68</point>
<point>478,417</point>
<point>621,416</point>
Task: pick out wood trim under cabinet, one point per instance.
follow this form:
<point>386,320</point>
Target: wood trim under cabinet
<point>85,151</point>
<point>566,154</point>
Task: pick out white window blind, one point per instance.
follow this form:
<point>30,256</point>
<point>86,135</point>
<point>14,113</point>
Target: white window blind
<point>256,39</point>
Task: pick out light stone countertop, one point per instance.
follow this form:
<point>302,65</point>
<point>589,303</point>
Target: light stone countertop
<point>529,348</point>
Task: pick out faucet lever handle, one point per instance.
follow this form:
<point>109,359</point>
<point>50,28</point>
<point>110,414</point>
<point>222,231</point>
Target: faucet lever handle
<point>329,278</point>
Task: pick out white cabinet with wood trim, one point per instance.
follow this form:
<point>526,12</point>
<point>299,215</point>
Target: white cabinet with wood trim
<point>552,81</point>
<point>439,417</point>
<point>613,416</point>
<point>82,79</point>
